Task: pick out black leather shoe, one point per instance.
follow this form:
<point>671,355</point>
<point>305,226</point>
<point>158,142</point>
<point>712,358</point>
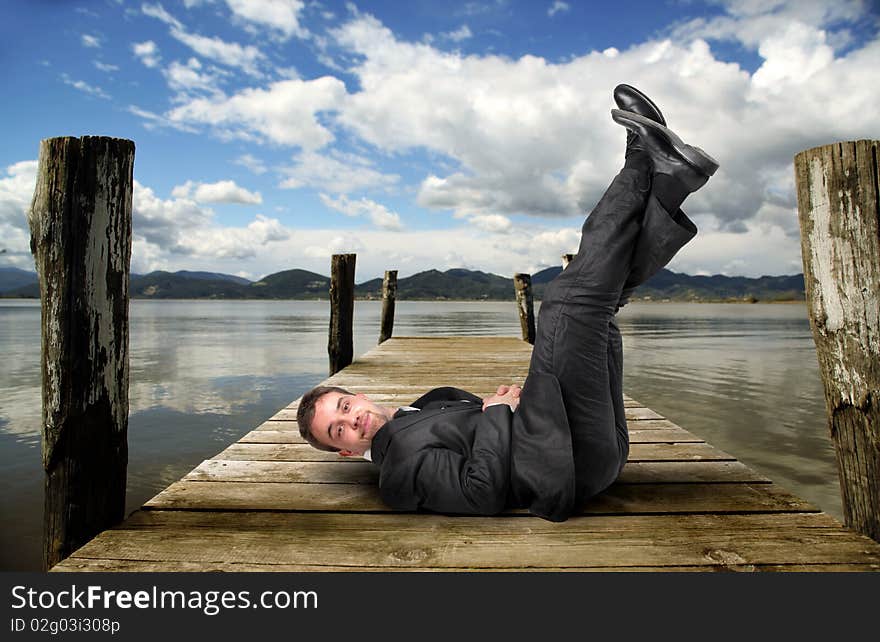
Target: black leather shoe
<point>628,98</point>
<point>669,153</point>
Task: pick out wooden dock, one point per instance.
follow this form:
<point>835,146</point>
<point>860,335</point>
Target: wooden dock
<point>270,502</point>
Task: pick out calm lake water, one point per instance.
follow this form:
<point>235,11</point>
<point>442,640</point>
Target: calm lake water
<point>203,373</point>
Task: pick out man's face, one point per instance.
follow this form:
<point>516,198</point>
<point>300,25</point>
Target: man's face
<point>348,422</point>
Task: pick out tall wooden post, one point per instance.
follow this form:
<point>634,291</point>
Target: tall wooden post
<point>341,346</point>
<point>389,294</point>
<point>522,283</point>
<point>80,222</point>
<point>840,245</point>
<point>566,259</point>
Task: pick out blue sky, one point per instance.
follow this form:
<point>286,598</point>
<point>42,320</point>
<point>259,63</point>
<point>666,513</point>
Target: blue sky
<point>271,134</point>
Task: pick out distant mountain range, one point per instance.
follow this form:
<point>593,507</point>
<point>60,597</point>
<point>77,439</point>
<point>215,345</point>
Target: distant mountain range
<point>13,278</point>
<point>431,285</point>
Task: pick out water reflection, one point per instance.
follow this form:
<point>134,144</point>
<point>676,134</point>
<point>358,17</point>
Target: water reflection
<point>203,373</point>
<point>745,378</point>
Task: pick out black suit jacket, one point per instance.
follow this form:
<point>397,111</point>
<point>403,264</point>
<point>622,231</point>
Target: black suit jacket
<point>451,457</point>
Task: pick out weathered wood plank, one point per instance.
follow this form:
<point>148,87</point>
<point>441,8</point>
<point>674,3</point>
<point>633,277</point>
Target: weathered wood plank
<point>286,420</point>
<point>672,435</point>
<point>677,452</point>
<point>216,470</point>
<point>141,566</point>
<point>361,472</point>
<point>304,452</point>
<point>327,539</point>
<point>632,413</point>
<point>683,472</point>
<point>635,414</point>
<point>651,424</point>
<point>618,499</point>
<point>273,437</point>
<point>416,390</point>
<point>272,424</point>
<point>660,436</point>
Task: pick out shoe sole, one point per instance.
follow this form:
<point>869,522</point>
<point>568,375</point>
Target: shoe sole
<point>643,97</point>
<point>694,156</point>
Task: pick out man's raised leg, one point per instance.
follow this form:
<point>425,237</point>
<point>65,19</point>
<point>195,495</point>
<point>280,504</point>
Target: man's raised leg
<point>576,339</point>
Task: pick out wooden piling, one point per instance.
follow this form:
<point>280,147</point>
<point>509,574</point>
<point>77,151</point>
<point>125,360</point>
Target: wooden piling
<point>389,294</point>
<point>837,189</point>
<point>341,344</point>
<point>80,223</point>
<point>566,259</point>
<point>522,283</point>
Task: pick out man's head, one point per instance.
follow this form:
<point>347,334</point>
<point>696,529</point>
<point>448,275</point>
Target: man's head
<point>336,420</point>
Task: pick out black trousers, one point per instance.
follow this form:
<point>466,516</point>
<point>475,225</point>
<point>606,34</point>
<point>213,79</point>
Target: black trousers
<point>626,238</point>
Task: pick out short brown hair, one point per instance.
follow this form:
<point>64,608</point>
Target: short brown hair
<point>306,412</point>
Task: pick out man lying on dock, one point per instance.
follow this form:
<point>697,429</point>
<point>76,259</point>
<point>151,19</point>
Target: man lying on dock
<point>562,438</point>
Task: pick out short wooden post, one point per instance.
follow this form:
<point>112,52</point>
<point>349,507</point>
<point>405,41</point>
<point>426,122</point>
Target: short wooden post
<point>840,246</point>
<point>566,259</point>
<point>522,283</point>
<point>341,345</point>
<point>389,294</point>
<point>80,222</point>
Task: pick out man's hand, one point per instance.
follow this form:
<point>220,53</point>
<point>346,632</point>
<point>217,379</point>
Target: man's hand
<point>504,394</point>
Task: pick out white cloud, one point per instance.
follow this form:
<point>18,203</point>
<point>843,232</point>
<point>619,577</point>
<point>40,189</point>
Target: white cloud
<point>380,215</point>
<point>460,34</point>
<point>285,113</point>
<point>148,53</point>
<point>492,223</point>
<point>278,15</point>
<point>166,222</point>
<point>219,192</point>
<point>247,58</point>
<point>188,78</point>
<point>158,11</point>
<point>16,192</point>
<point>85,87</point>
<point>558,7</point>
<point>252,163</point>
<point>153,120</point>
<point>105,66</point>
<point>411,251</point>
<point>335,244</point>
<point>90,41</point>
<point>266,229</point>
<point>760,249</point>
<point>334,172</point>
<point>178,232</point>
<point>228,53</point>
<point>753,22</point>
<point>528,136</point>
<point>791,56</point>
<point>515,127</point>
